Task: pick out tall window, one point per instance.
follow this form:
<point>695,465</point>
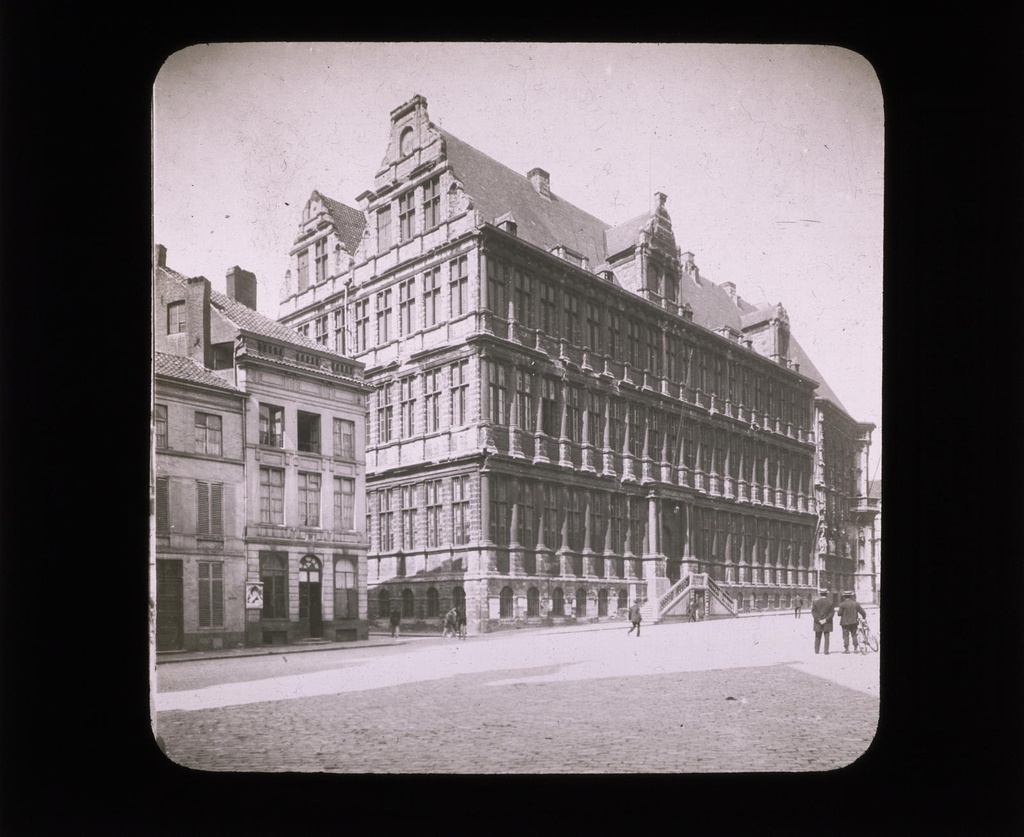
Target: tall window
<point>274,575</point>
<point>406,216</point>
<point>432,398</point>
<point>344,503</point>
<point>340,338</point>
<point>271,425</point>
<point>524,498</point>
<point>548,319</point>
<point>407,407</point>
<point>533,602</point>
<point>208,434</point>
<point>597,506</point>
<point>385,519</point>
<point>406,307</point>
<point>362,321</point>
<point>593,335</point>
<point>459,387</point>
<point>307,428</point>
<point>653,351</point>
<point>433,603</point>
<point>431,203</point>
<point>616,521</point>
<point>431,297</point>
<point>459,286</point>
<point>309,499</point>
<point>637,524</point>
<point>176,317</point>
<point>460,510</point>
<point>495,391</point>
<point>211,594</point>
<point>272,495</point>
<point>505,603</point>
<point>574,413</point>
<point>384,229</point>
<point>209,509</point>
<point>671,287</point>
<point>384,414</point>
<point>575,512</point>
<point>320,258</point>
<point>163,523</point>
<point>550,498</point>
<point>522,284</point>
<point>346,593</point>
<point>433,507</point>
<point>549,417</point>
<point>497,275</point>
<point>616,426</point>
<point>636,429</point>
<point>557,602</point>
<point>525,397</point>
<point>160,425</point>
<point>344,439</point>
<point>320,330</point>
<point>407,498</point>
<point>303,271</point>
<point>500,509</point>
<point>595,419</point>
<point>571,312</point>
<point>634,355</point>
<point>383,317</point>
<point>615,335</point>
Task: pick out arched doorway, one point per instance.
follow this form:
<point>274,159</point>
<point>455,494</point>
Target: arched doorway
<point>581,602</point>
<point>602,602</point>
<point>459,597</point>
<point>310,603</point>
<point>533,602</point>
<point>557,602</point>
<point>433,602</point>
<point>506,610</point>
<point>623,601</point>
<point>408,604</point>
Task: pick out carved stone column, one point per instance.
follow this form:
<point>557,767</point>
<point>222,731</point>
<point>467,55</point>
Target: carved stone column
<point>727,477</point>
<point>698,469</point>
<point>607,453</point>
<point>539,439</point>
<point>485,509</point>
<point>587,447</point>
<point>645,459</point>
<point>564,455</point>
<point>627,449</point>
<point>515,444</point>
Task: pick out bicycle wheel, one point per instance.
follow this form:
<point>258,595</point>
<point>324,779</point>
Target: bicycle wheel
<point>870,640</point>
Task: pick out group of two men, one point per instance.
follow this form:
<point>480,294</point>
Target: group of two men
<point>823,611</point>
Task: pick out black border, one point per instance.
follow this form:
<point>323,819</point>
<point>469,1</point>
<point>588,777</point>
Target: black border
<point>77,756</point>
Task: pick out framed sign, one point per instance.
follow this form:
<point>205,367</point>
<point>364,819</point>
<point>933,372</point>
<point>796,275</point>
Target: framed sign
<point>254,595</point>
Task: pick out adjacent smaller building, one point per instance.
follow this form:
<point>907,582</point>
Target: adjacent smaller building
<point>259,474</point>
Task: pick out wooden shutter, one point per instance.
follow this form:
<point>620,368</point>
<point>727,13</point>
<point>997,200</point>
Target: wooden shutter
<point>216,509</point>
<point>162,517</point>
<point>217,594</point>
<point>204,594</point>
<point>202,508</point>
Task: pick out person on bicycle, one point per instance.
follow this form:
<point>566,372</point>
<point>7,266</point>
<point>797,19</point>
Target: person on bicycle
<point>849,609</point>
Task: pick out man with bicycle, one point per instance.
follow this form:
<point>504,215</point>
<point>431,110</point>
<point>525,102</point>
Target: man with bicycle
<point>849,609</point>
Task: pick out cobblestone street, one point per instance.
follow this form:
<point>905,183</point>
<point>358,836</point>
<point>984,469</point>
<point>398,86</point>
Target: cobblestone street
<point>724,696</point>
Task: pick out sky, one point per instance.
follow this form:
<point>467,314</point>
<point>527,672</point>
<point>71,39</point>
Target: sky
<point>771,156</point>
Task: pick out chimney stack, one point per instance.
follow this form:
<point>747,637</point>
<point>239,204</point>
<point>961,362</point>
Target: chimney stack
<point>241,286</point>
<point>160,255</point>
<point>541,181</point>
<point>197,317</point>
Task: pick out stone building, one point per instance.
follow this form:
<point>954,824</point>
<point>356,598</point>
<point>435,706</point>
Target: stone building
<point>259,473</point>
<point>566,415</point>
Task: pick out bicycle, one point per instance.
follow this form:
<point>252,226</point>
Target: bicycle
<point>866,639</point>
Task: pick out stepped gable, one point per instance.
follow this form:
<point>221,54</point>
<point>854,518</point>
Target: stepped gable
<point>186,369</point>
<point>348,222</point>
<point>543,221</point>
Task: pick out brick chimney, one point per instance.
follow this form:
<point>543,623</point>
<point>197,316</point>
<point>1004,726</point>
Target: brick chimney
<point>197,317</point>
<point>160,255</point>
<point>241,286</point>
<point>541,181</point>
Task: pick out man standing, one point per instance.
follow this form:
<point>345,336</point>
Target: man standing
<point>396,620</point>
<point>635,618</point>
<point>849,609</point>
<point>798,605</point>
<point>822,612</point>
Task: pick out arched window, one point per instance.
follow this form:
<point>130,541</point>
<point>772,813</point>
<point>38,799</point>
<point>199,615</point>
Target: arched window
<point>557,602</point>
<point>433,607</point>
<point>506,611</point>
<point>602,602</point>
<point>408,604</point>
<point>459,597</point>
<point>622,602</point>
<point>383,604</point>
<point>533,602</point>
<point>346,594</point>
<point>581,602</point>
<point>405,143</point>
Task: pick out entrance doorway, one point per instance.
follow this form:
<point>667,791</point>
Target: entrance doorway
<point>170,606</point>
<point>310,606</point>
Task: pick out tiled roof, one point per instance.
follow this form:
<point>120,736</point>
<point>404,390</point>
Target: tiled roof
<point>496,189</point>
<point>186,369</point>
<point>256,323</point>
<point>625,234</point>
<point>349,222</point>
<point>808,369</point>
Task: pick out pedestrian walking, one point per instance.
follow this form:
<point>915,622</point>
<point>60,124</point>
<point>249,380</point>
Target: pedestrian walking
<point>460,621</point>
<point>822,612</point>
<point>451,623</point>
<point>694,607</point>
<point>849,609</point>
<point>798,605</point>
<point>396,621</point>
<point>635,618</point>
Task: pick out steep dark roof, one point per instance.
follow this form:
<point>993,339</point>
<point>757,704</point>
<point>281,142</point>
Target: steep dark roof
<point>349,222</point>
<point>624,235</point>
<point>712,306</point>
<point>496,189</point>
<point>808,369</point>
<point>255,323</point>
<point>186,369</point>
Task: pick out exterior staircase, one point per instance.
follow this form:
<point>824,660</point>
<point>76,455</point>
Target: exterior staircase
<point>675,602</point>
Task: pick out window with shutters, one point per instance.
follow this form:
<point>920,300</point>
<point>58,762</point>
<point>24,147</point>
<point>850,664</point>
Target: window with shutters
<point>272,495</point>
<point>460,510</point>
<point>210,517</point>
<point>274,575</point>
<point>344,503</point>
<point>208,434</point>
<point>459,286</point>
<point>176,317</point>
<point>163,521</point>
<point>308,430</point>
<point>309,499</point>
<point>346,593</point>
<point>271,425</point>
<point>160,426</point>
<point>344,439</point>
<point>211,594</point>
